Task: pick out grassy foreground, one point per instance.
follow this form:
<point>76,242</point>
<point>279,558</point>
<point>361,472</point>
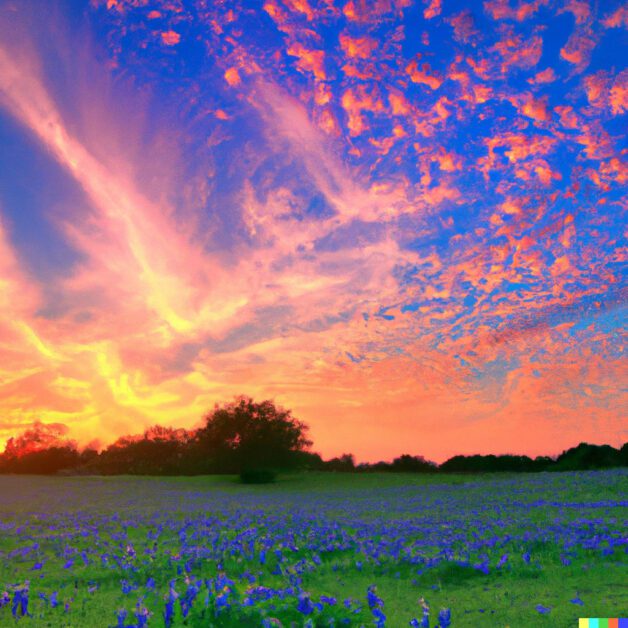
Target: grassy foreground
<point>499,550</point>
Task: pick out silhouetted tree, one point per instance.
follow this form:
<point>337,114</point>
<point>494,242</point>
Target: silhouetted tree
<point>40,449</point>
<point>491,464</point>
<point>586,456</point>
<point>244,436</point>
<point>159,451</point>
<point>346,462</point>
<point>413,464</point>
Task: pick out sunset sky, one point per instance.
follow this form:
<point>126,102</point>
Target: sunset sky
<point>403,220</point>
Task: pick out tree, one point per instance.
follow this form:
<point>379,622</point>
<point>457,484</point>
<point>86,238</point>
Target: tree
<point>346,462</point>
<point>587,456</point>
<point>40,449</point>
<point>245,436</point>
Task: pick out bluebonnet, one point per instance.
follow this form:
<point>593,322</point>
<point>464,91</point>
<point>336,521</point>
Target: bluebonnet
<point>444,617</point>
<point>305,605</point>
<point>171,598</point>
<point>141,614</point>
<point>372,598</point>
<point>19,607</point>
<point>380,618</point>
<point>121,616</point>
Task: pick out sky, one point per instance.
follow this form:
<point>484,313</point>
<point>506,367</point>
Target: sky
<point>405,221</point>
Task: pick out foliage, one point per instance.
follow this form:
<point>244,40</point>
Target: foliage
<point>244,435</point>
<point>254,440</point>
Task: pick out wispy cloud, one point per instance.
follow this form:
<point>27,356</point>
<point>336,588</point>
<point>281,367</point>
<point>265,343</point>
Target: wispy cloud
<point>413,241</point>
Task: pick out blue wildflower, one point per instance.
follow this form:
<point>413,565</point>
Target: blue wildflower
<point>577,600</point>
<point>142,614</point>
<point>380,618</point>
<point>169,608</point>
<point>121,615</point>
<point>20,601</point>
<point>372,597</point>
<point>305,605</point>
<point>444,618</point>
<point>425,620</point>
<point>543,610</point>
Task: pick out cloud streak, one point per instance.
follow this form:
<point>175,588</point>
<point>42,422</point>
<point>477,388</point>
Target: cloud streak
<point>419,246</point>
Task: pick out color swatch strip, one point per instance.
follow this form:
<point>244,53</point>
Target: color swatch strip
<point>597,622</point>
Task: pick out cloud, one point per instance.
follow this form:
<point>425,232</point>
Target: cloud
<point>389,235</point>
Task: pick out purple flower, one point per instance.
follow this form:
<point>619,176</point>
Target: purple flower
<point>425,620</point>
<point>543,610</point>
<point>20,601</point>
<point>483,567</point>
<point>121,615</point>
<point>142,614</point>
<point>305,605</point>
<point>169,612</point>
<point>577,600</point>
<point>444,618</point>
<point>372,598</point>
<point>526,557</point>
<point>380,618</point>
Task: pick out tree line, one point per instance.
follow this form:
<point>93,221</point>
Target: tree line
<point>255,440</point>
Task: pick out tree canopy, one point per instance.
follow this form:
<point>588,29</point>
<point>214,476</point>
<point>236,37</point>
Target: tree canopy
<point>245,435</point>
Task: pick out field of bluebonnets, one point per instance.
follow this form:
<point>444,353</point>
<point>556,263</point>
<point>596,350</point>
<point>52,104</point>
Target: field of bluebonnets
<point>313,550</point>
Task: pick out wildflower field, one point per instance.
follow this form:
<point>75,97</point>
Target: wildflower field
<point>313,550</point>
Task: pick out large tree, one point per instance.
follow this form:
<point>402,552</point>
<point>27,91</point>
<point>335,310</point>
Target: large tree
<point>244,436</point>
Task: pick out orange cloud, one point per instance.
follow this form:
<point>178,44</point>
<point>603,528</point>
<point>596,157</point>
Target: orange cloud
<point>618,18</point>
<point>309,60</point>
<point>170,38</point>
<point>578,48</point>
<point>501,9</point>
<point>232,76</point>
<point>433,9</point>
<point>580,9</point>
<point>423,75</point>
<point>357,47</point>
<point>546,76</point>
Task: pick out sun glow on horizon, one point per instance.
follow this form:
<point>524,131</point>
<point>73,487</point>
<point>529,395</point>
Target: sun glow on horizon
<point>402,220</point>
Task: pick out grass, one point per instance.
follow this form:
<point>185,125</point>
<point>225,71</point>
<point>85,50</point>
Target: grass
<point>333,534</point>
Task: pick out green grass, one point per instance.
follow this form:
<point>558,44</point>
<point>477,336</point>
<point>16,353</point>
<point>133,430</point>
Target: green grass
<point>419,515</point>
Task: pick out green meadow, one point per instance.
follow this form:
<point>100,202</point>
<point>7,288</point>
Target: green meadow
<point>496,550</point>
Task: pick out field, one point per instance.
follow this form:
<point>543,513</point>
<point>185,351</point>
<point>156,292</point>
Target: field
<point>313,550</point>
